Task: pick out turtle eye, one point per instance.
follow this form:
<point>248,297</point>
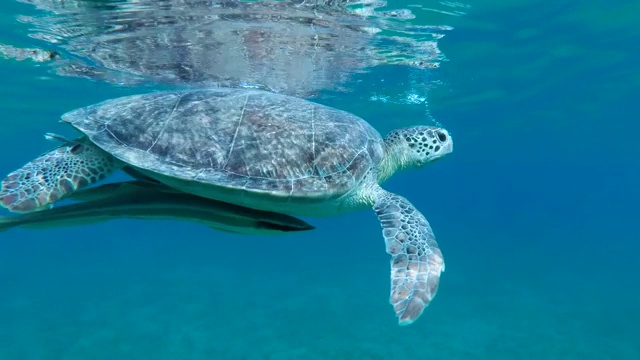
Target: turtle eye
<point>441,136</point>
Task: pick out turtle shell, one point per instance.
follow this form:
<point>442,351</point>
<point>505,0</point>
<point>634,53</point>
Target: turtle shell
<point>242,139</point>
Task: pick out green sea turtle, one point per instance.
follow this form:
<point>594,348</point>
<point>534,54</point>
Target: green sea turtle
<point>255,149</point>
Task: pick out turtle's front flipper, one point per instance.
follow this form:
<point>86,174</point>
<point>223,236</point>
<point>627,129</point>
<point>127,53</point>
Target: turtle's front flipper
<point>52,176</point>
<point>416,261</point>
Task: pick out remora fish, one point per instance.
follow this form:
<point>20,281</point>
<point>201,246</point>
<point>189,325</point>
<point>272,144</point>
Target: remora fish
<point>147,200</point>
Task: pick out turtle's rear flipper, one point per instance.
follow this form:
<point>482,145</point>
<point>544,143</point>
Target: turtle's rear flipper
<point>52,176</point>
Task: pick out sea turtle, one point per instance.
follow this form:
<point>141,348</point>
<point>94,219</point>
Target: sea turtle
<point>255,149</point>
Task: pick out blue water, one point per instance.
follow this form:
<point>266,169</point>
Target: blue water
<point>535,212</point>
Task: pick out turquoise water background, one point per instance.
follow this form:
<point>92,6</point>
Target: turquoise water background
<point>535,212</point>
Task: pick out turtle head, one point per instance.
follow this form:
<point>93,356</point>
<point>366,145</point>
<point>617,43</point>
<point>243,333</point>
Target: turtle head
<point>414,147</point>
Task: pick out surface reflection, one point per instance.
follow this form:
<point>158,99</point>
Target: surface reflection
<point>295,47</point>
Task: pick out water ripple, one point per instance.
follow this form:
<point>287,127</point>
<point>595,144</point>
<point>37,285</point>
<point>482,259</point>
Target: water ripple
<point>296,47</point>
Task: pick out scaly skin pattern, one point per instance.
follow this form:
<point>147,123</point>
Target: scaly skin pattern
<point>416,260</point>
<point>52,176</point>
